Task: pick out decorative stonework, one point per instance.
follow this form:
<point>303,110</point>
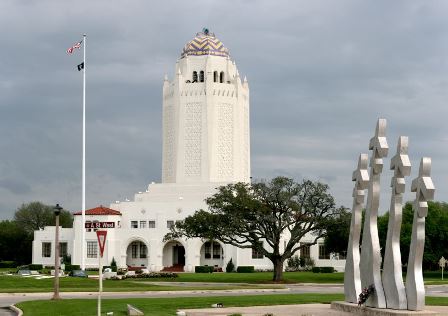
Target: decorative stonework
<point>168,144</point>
<point>225,141</point>
<point>193,132</point>
<point>246,141</point>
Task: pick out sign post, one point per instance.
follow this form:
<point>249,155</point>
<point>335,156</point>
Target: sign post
<point>442,263</point>
<point>101,235</point>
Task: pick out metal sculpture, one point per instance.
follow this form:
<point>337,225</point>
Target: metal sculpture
<point>424,191</point>
<point>392,271</point>
<point>352,279</point>
<point>370,251</point>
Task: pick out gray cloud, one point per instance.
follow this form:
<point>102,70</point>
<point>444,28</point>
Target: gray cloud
<point>320,75</point>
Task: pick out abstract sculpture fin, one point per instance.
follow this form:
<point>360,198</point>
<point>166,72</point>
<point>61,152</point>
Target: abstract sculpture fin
<point>424,191</point>
<point>370,263</point>
<point>392,272</point>
<point>352,279</point>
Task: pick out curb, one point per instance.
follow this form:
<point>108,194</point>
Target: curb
<point>15,309</point>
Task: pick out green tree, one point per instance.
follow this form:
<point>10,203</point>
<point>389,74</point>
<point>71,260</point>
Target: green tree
<point>36,215</point>
<point>261,216</point>
<point>336,239</point>
<point>15,243</point>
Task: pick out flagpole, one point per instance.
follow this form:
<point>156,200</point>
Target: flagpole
<point>83,241</point>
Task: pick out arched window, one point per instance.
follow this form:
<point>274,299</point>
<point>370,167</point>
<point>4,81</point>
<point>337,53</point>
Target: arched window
<point>215,76</point>
<point>195,76</point>
<point>221,77</point>
<point>201,76</point>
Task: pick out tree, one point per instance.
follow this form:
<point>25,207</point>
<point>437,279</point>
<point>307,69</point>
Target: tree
<point>36,215</point>
<point>15,243</point>
<point>261,216</point>
<point>336,239</point>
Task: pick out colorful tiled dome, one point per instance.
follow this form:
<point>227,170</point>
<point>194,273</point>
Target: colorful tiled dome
<point>205,43</point>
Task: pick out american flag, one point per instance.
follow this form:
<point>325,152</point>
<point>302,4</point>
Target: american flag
<point>71,49</point>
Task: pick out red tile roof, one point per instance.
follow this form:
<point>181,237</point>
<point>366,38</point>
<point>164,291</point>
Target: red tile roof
<point>100,210</point>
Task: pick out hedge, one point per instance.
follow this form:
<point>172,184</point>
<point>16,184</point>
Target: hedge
<point>245,269</point>
<point>326,270</point>
<point>315,269</point>
<point>8,264</point>
<point>203,269</point>
<point>36,267</point>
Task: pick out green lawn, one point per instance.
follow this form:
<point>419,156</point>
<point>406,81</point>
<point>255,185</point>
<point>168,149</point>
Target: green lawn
<point>165,306</point>
<point>17,284</point>
<point>168,306</point>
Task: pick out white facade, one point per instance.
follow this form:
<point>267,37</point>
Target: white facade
<point>206,144</point>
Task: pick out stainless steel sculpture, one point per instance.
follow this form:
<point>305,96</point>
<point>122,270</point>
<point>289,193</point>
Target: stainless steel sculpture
<point>352,278</point>
<point>370,251</point>
<point>394,289</point>
<point>424,191</point>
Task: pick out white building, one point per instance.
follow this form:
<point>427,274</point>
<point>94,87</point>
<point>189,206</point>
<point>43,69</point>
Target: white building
<point>206,144</point>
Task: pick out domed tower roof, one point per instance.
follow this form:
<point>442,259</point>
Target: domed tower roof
<point>205,43</point>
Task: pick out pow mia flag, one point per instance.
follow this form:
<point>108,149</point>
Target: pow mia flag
<point>81,66</point>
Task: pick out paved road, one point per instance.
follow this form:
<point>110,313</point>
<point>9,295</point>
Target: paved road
<point>7,299</point>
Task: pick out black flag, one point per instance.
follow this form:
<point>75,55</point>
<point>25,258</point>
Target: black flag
<point>81,66</point>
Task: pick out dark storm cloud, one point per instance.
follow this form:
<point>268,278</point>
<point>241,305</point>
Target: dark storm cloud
<point>320,75</point>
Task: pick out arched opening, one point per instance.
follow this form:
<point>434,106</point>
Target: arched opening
<point>212,254</point>
<point>215,76</point>
<point>137,254</point>
<point>221,77</point>
<point>173,256</point>
<point>195,76</point>
<point>201,76</point>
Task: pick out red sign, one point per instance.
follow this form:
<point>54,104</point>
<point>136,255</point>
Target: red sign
<point>99,225</point>
<point>101,235</point>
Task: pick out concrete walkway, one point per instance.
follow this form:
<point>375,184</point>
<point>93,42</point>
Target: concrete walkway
<point>286,310</point>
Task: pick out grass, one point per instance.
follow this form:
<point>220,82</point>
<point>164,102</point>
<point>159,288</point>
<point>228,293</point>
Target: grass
<point>17,284</point>
<point>168,306</point>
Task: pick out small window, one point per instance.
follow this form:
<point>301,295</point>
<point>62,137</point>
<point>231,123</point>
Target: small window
<point>323,254</point>
<point>257,254</point>
<point>207,248</point>
<point>92,249</point>
<point>216,251</point>
<point>46,249</point>
<point>221,77</point>
<point>195,76</point>
<point>134,224</point>
<point>305,251</point>
<point>215,76</point>
<point>201,76</point>
<point>169,224</point>
<point>134,250</point>
<point>142,250</point>
<point>152,224</point>
<point>62,249</point>
<point>142,224</point>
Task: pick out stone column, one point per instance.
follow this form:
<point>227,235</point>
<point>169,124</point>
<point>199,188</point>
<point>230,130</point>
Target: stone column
<point>370,251</point>
<point>424,191</point>
<point>352,278</point>
<point>392,272</point>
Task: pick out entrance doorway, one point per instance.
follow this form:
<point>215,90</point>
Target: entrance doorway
<point>173,256</point>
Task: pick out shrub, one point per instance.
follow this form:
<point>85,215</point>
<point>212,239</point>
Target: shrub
<point>8,264</point>
<point>326,269</point>
<point>203,269</point>
<point>293,263</point>
<point>245,269</point>
<point>230,267</point>
<point>113,265</point>
<point>315,269</point>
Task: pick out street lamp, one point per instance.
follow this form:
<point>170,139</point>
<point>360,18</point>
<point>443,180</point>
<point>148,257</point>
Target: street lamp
<point>57,211</point>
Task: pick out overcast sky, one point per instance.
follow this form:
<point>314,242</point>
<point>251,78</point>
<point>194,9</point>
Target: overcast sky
<point>320,74</point>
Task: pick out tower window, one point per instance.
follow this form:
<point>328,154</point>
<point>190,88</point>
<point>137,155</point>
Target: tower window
<point>201,76</point>
<point>215,76</point>
<point>195,76</point>
<point>221,77</point>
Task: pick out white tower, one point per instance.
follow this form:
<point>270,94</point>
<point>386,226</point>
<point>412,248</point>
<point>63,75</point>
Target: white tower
<point>205,117</point>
